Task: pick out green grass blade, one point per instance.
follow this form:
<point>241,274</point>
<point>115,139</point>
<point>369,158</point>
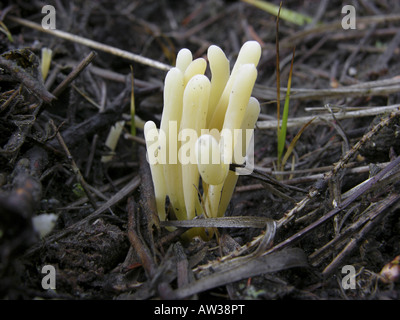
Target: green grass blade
<point>286,14</point>
<point>294,141</point>
<point>4,29</point>
<point>278,77</point>
<point>282,133</point>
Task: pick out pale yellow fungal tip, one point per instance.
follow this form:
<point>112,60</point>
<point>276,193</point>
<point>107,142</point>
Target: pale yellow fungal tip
<point>219,66</point>
<point>46,61</point>
<point>197,66</point>
<point>250,52</point>
<point>173,91</point>
<point>112,139</point>
<point>183,59</point>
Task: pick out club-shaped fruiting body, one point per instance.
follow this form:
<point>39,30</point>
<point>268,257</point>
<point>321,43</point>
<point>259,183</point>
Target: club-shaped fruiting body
<point>202,131</point>
<point>46,62</point>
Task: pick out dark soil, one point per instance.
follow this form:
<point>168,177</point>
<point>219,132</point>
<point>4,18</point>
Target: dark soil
<point>108,245</point>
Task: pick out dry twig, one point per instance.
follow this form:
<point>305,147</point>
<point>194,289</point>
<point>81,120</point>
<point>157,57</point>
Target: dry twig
<point>92,44</point>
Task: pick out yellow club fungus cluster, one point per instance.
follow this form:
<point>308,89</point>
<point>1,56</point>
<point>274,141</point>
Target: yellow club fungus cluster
<point>204,128</point>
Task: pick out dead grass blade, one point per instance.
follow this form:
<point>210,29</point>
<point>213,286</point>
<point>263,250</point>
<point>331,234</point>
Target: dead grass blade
<point>320,119</point>
<point>369,88</point>
<point>294,141</point>
<point>285,259</point>
<point>222,222</point>
<point>93,44</point>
